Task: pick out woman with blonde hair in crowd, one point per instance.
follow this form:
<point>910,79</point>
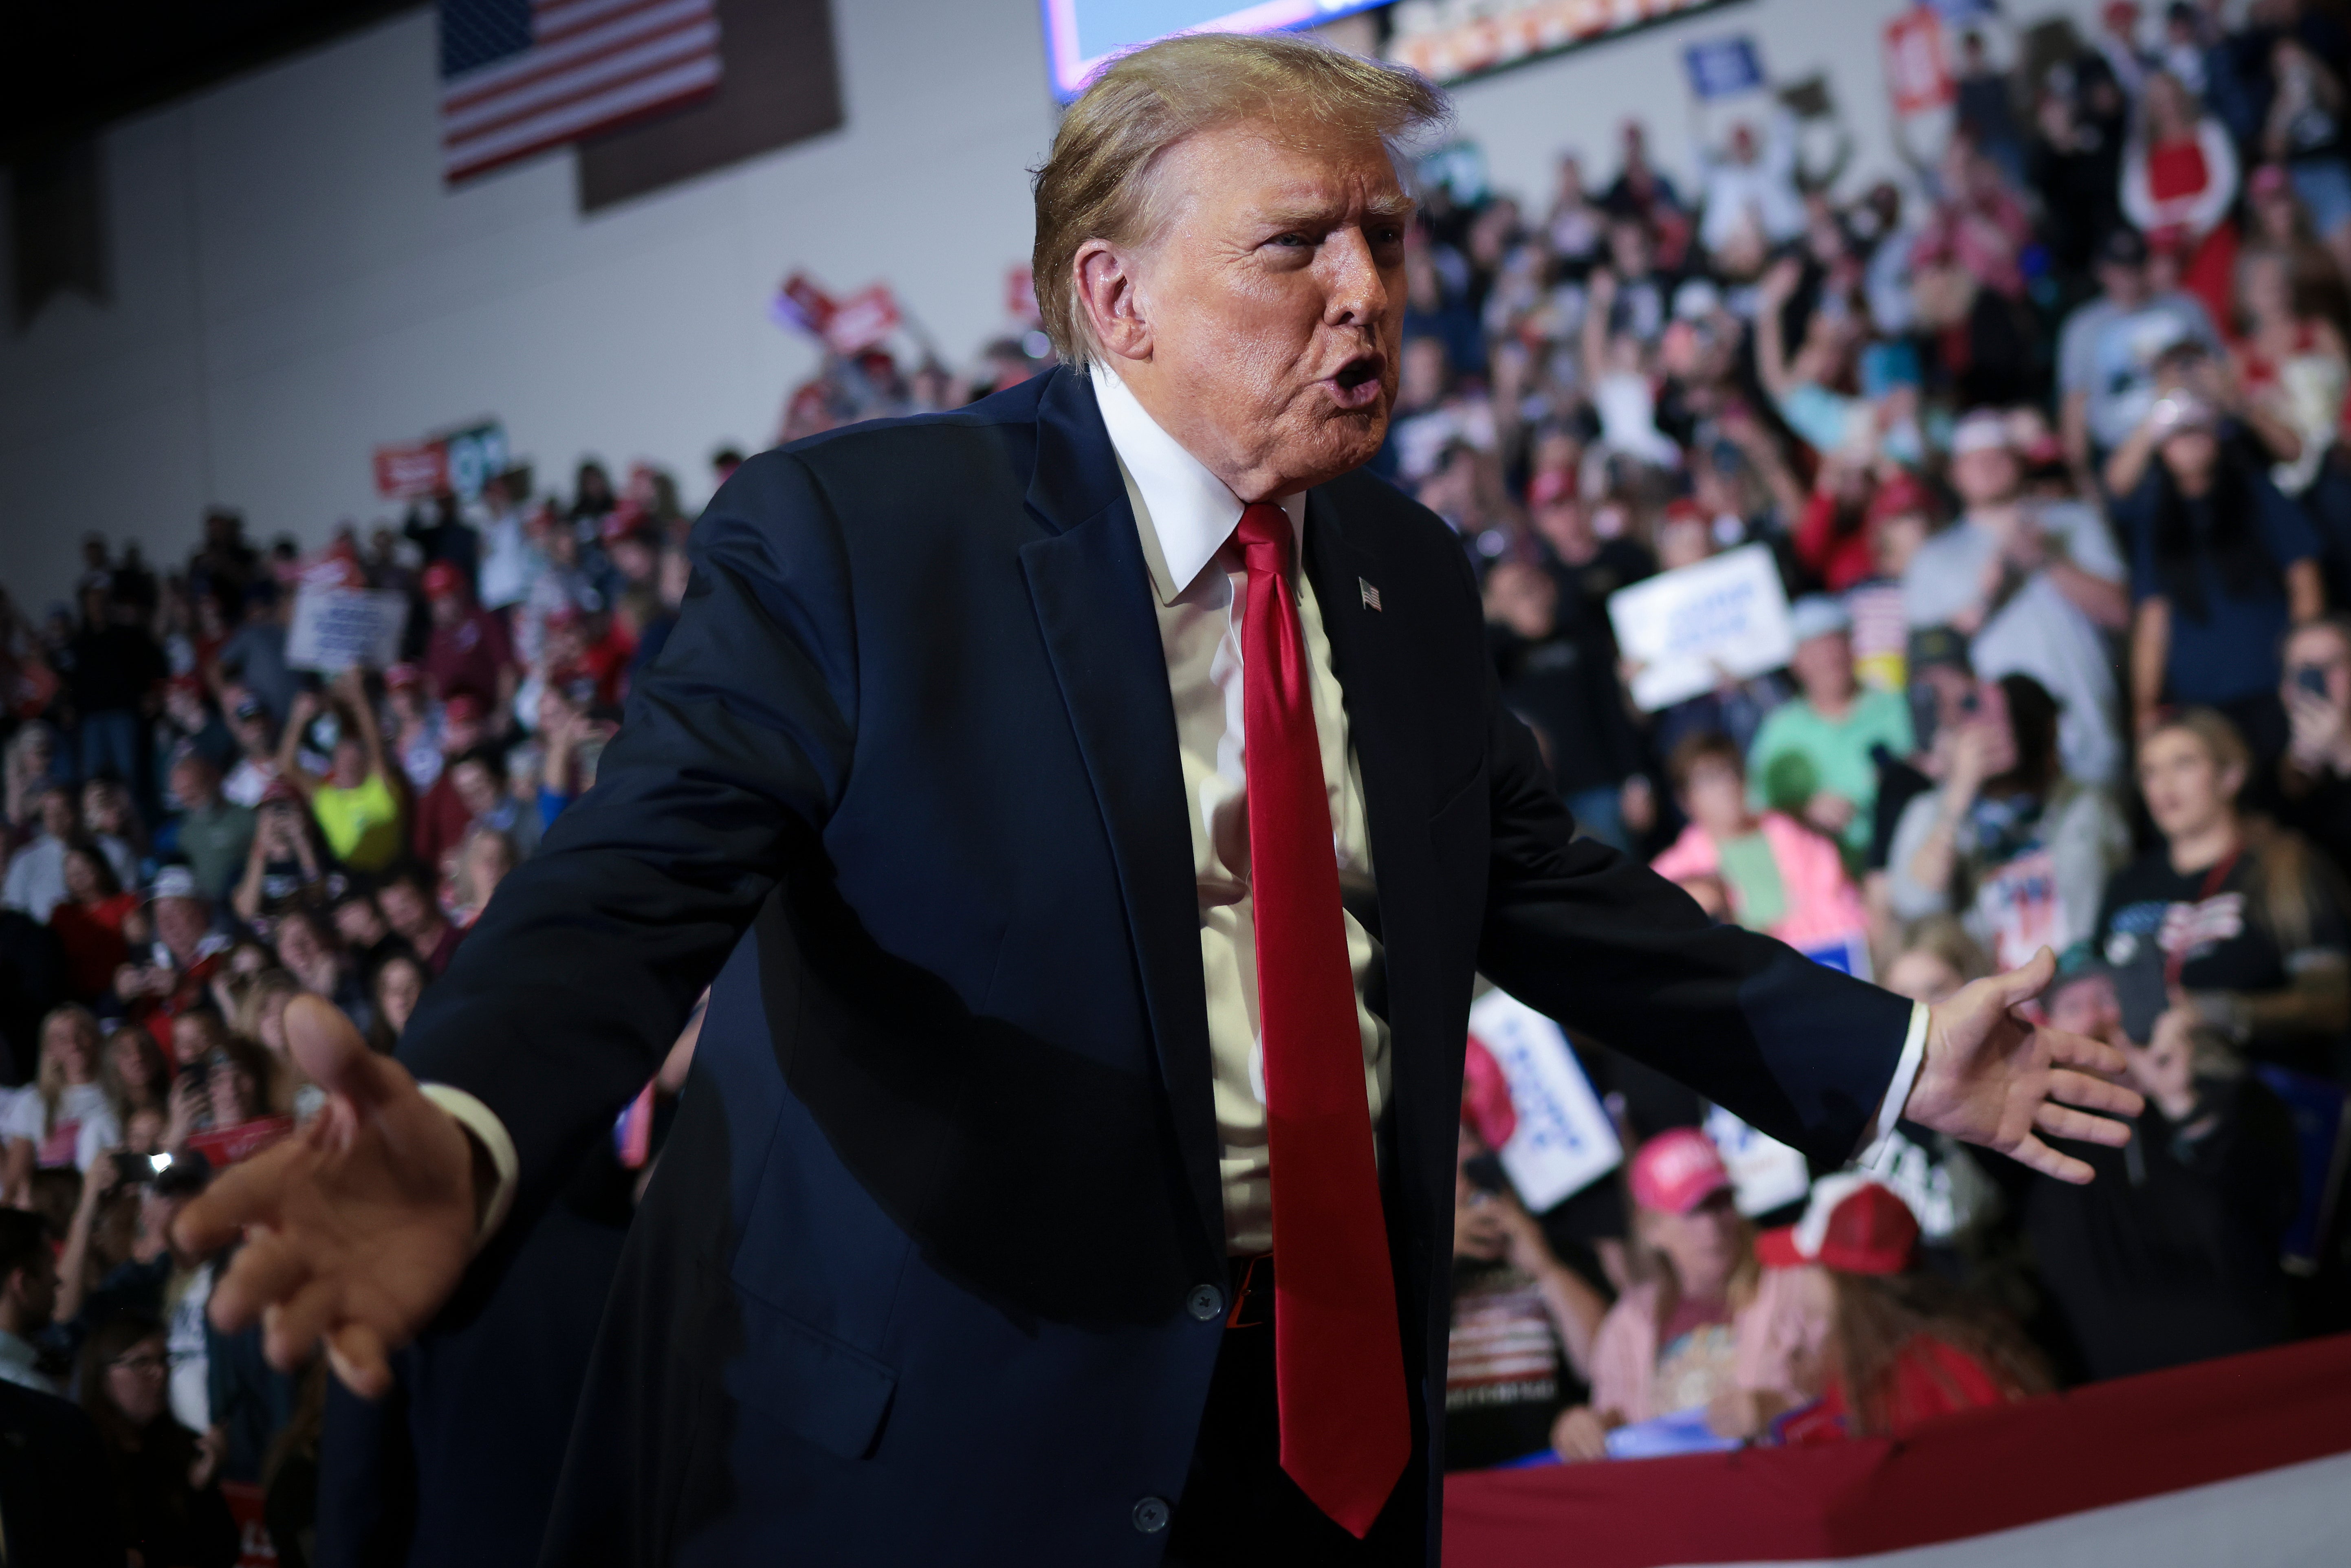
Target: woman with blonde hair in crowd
<point>2290,360</point>
<point>2248,920</point>
<point>260,1018</point>
<point>136,1072</point>
<point>1702,1331</point>
<point>1936,958</point>
<point>2179,179</point>
<point>43,1124</point>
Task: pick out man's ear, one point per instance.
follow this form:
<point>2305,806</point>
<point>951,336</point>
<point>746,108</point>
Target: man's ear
<point>1104,277</point>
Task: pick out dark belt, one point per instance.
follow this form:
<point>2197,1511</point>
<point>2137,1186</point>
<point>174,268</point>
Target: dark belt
<point>1252,1292</point>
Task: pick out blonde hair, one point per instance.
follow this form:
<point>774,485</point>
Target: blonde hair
<point>1095,183</point>
<point>49,1080</point>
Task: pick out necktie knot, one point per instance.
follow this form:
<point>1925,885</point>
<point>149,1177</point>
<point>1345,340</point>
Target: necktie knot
<point>1265,538</point>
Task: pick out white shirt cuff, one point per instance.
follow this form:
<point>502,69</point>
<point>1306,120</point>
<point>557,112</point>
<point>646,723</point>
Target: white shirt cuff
<point>1898,1092</point>
<point>491,1133</point>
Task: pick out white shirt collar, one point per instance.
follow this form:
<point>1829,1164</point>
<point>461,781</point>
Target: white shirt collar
<point>1188,513</point>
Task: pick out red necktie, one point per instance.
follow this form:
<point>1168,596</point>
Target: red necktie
<point>1338,1364</point>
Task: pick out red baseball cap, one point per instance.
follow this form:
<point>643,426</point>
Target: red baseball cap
<point>1677,1170</point>
<point>462,707</point>
<point>402,675</point>
<point>442,579</point>
<point>1854,1223</point>
<point>1901,497</point>
<point>624,521</point>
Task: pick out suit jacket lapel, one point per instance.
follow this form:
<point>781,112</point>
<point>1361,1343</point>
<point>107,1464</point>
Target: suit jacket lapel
<point>1091,592</point>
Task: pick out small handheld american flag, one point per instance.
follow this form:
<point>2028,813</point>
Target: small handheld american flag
<point>519,76</point>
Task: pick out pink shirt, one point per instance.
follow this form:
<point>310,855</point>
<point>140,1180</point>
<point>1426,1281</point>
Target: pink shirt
<point>1823,908</point>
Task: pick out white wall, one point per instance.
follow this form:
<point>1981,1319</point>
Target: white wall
<point>293,284</point>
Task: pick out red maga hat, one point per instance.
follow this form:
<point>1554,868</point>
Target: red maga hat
<point>443,580</point>
<point>1677,1170</point>
<point>1854,1223</point>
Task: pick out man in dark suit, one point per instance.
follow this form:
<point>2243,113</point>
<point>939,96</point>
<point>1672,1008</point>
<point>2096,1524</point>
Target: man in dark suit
<point>1065,1172</point>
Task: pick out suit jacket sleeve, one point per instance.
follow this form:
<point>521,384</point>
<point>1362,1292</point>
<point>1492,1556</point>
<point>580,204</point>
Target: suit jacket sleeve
<point>734,751</point>
<point>1616,953</point>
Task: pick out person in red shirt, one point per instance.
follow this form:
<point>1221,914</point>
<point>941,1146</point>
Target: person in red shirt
<point>1900,1347</point>
<point>442,814</point>
<point>187,954</point>
<point>469,649</point>
<point>88,923</point>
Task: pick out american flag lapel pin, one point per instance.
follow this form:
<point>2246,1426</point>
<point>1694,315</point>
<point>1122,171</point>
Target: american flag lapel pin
<point>1371,594</point>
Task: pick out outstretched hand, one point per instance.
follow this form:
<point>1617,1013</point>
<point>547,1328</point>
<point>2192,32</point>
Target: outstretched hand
<point>1989,1077</point>
<point>358,1228</point>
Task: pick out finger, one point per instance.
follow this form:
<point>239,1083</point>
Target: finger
<point>2064,1121</point>
<point>331,1051</point>
<point>245,1193</point>
<point>266,1268</point>
<point>356,1353</point>
<point>2080,1051</point>
<point>2095,1094</point>
<point>290,1329</point>
<point>2031,1151</point>
<point>2021,986</point>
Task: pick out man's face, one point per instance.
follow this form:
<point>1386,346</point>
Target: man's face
<point>1823,666</point>
<point>359,923</point>
<point>404,908</point>
<point>2087,1006</point>
<point>35,1286</point>
<point>1985,476</point>
<point>2124,285</point>
<point>59,815</point>
<point>1261,324</point>
<point>181,924</point>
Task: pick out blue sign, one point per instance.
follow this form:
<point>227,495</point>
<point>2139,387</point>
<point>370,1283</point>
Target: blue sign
<point>1723,68</point>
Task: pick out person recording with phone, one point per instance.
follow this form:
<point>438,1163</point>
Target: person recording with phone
<point>2314,774</point>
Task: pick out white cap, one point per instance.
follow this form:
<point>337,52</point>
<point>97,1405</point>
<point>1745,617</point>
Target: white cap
<point>1817,615</point>
<point>1985,430</point>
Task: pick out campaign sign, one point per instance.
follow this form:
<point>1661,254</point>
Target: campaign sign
<point>1563,1141</point>
<point>1765,1173</point>
<point>862,320</point>
<point>1723,68</point>
<point>1686,632</point>
<point>335,628</point>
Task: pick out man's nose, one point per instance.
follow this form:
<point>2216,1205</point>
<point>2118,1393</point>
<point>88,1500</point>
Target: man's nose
<point>1356,293</point>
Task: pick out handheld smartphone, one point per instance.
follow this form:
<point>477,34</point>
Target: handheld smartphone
<point>1485,1173</point>
<point>2311,678</point>
<point>2141,994</point>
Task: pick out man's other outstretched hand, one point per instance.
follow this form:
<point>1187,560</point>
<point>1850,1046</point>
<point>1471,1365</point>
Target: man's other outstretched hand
<point>356,1229</point>
<point>1989,1077</point>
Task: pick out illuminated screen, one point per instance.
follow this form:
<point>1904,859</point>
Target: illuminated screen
<point>1079,35</point>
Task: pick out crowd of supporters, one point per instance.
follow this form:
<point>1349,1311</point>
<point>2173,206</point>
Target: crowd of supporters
<point>2046,451</point>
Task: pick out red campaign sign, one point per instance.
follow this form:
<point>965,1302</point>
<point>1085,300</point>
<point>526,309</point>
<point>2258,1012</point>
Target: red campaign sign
<point>226,1145</point>
<point>247,1506</point>
<point>862,320</point>
<point>1020,295</point>
<point>1915,72</point>
<point>800,303</point>
<point>409,469</point>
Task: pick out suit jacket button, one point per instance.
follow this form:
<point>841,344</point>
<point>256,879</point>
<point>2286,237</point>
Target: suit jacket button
<point>1151,1515</point>
<point>1206,1301</point>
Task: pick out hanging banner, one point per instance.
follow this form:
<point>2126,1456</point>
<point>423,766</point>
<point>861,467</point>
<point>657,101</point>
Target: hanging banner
<point>1917,76</point>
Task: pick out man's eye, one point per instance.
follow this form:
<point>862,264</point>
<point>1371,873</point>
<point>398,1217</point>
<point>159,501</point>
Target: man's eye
<point>1293,239</point>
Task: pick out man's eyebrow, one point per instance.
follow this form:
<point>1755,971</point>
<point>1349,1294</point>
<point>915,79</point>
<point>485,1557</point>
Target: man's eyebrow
<point>1312,215</point>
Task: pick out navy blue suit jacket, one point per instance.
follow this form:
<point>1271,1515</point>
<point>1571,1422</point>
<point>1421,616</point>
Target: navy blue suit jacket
<point>910,1283</point>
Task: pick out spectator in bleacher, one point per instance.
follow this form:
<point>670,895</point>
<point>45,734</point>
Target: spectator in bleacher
<point>28,1302</point>
<point>2032,586</point>
<point>176,972</point>
<point>172,1507</point>
<point>445,537</point>
<point>88,922</point>
<point>468,649</point>
<point>1814,758</point>
<point>2179,181</point>
<point>1893,1346</point>
<point>2304,132</point>
<point>2314,774</point>
<point>509,559</point>
<point>1522,1322</point>
<point>411,905</point>
<point>111,672</point>
<point>285,866</point>
<point>36,873</point>
<point>412,730</point>
<point>41,1125</point>
<point>2249,926</point>
<point>1937,957</point>
<point>357,805</point>
<point>307,949</point>
<point>211,833</point>
<point>395,984</point>
<point>2007,841</point>
<point>2171,1254</point>
<point>441,815</point>
<point>2106,357</point>
<point>2220,564</point>
<point>1779,875</point>
<point>2290,364</point>
<point>1559,678</point>
<point>255,655</point>
<point>256,730</point>
<point>1696,1334</point>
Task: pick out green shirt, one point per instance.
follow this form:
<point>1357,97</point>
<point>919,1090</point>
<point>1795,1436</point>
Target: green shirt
<point>1798,754</point>
<point>361,824</point>
<point>215,844</point>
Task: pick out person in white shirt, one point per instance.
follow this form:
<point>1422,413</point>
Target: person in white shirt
<point>42,1126</point>
<point>36,883</point>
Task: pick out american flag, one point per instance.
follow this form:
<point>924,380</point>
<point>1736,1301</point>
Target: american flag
<point>518,76</point>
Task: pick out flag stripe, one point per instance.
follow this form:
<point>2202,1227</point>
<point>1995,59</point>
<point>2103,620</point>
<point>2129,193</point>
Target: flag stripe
<point>562,124</point>
<point>543,58</point>
<point>624,62</point>
<point>589,64</point>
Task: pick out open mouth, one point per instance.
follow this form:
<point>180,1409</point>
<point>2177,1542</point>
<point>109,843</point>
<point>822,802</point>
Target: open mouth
<point>1357,384</point>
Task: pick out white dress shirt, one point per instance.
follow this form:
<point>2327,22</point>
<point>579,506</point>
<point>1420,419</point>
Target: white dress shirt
<point>1185,516</point>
